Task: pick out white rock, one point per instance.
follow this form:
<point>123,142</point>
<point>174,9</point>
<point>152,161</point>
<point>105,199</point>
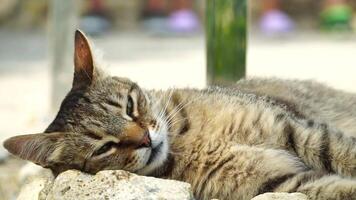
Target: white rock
<point>116,185</point>
<point>281,196</point>
<point>30,170</point>
<point>35,189</point>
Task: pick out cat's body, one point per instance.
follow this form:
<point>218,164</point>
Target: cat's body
<point>231,143</point>
<point>260,135</point>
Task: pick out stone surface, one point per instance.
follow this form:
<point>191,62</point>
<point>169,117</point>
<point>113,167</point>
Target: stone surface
<point>36,189</point>
<point>281,196</point>
<point>115,185</point>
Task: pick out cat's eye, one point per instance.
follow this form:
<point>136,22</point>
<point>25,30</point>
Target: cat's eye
<point>129,106</point>
<point>105,148</point>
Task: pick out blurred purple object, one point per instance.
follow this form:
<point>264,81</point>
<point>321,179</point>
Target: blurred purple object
<point>183,21</point>
<point>276,22</point>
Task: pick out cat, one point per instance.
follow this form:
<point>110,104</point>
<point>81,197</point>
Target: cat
<point>236,142</point>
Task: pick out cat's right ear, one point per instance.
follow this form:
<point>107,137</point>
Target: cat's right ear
<point>83,61</point>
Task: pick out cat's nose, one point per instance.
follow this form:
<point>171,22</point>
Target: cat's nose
<point>146,140</point>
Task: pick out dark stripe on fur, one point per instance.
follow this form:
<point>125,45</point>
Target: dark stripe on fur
<point>257,120</point>
<point>185,127</point>
<point>231,128</point>
<point>86,99</point>
<point>92,135</point>
<point>280,117</point>
<point>289,132</point>
<point>103,107</point>
<point>318,191</point>
<point>273,183</point>
<point>305,177</point>
<point>186,123</point>
<point>212,172</point>
<point>113,103</point>
<point>306,142</point>
<point>325,156</point>
<point>310,123</point>
<point>178,107</point>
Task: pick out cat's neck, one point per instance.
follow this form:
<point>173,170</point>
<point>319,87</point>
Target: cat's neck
<point>187,112</point>
<point>173,106</point>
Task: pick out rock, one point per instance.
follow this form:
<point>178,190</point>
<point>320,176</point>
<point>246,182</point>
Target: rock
<point>30,171</point>
<point>36,189</point>
<point>117,185</point>
<point>17,174</point>
<point>281,196</point>
<point>105,185</point>
<point>36,182</point>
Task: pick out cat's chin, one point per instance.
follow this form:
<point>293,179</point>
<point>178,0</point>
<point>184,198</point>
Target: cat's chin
<point>157,158</point>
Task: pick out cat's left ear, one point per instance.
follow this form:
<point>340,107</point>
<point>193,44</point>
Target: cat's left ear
<point>36,148</point>
<point>83,61</point>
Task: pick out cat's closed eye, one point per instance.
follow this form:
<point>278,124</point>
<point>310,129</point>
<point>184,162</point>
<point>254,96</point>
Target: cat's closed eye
<point>129,106</point>
<point>105,148</point>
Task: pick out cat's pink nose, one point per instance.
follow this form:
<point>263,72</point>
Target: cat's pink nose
<point>146,140</point>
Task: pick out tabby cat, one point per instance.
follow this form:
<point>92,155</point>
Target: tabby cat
<point>233,143</point>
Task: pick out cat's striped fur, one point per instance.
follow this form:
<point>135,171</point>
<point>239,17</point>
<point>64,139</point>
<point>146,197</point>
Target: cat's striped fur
<point>260,135</point>
<point>246,144</point>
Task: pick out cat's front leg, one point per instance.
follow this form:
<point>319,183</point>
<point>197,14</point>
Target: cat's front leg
<point>239,172</point>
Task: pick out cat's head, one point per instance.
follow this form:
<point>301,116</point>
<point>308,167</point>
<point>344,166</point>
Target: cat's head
<point>104,122</point>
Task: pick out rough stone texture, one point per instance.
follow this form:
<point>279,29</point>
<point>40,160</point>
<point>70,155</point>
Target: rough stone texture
<point>36,189</point>
<point>33,180</point>
<point>281,196</point>
<point>116,185</point>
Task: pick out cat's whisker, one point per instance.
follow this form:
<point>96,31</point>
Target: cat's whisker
<point>174,109</point>
<point>167,103</point>
<point>176,121</point>
<point>173,114</point>
<point>157,103</point>
<point>159,100</point>
<point>160,114</point>
<point>183,106</point>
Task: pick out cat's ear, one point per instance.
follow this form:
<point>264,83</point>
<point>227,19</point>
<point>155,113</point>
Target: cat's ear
<point>36,148</point>
<point>83,61</point>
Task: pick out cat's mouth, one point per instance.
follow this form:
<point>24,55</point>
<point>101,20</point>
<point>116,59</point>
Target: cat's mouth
<point>158,151</point>
<point>154,152</point>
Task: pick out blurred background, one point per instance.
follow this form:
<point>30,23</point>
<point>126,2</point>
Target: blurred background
<point>159,44</point>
